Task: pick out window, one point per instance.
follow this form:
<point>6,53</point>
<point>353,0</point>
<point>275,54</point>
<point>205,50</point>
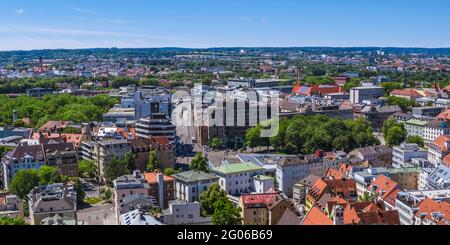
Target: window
<point>190,216</point>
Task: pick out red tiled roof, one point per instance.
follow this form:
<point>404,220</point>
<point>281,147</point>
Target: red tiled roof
<point>151,178</point>
<point>350,216</point>
<point>428,207</point>
<point>334,174</point>
<point>446,161</point>
<point>316,217</point>
<point>444,115</point>
<point>406,92</point>
<point>385,185</point>
<point>440,142</point>
<point>265,199</point>
<point>53,125</point>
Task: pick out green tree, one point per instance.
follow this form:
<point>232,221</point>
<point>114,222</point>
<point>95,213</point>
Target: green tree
<point>253,137</point>
<point>4,150</point>
<point>87,169</point>
<point>71,130</point>
<point>225,213</point>
<point>153,163</point>
<point>216,143</point>
<point>415,140</point>
<point>404,104</point>
<point>105,193</point>
<point>49,175</point>
<point>169,171</point>
<point>115,169</point>
<point>209,197</point>
<point>78,187</point>
<point>23,182</point>
<point>390,86</point>
<point>367,197</point>
<point>395,136</point>
<point>130,161</point>
<point>12,221</point>
<point>200,163</point>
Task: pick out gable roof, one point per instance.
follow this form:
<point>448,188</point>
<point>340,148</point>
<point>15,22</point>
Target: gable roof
<point>316,217</point>
<point>438,212</point>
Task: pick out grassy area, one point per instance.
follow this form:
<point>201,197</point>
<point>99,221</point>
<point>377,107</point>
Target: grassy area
<point>93,200</point>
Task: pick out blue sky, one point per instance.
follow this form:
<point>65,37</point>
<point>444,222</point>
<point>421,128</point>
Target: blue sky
<point>31,24</point>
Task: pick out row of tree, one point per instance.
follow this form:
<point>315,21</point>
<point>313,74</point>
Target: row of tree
<point>306,134</point>
<point>55,107</point>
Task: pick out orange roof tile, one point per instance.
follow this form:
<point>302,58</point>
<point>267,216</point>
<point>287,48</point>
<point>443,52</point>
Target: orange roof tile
<point>151,178</point>
<point>440,142</point>
<point>384,185</point>
<point>428,207</point>
<point>316,217</point>
<point>406,92</point>
<point>444,115</point>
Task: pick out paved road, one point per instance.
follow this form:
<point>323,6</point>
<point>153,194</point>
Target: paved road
<point>381,138</point>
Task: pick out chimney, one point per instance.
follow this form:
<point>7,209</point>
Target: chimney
<point>160,178</point>
<point>137,174</point>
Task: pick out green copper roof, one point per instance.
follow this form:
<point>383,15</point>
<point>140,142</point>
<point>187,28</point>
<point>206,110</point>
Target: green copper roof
<point>193,176</point>
<point>416,122</point>
<point>237,168</point>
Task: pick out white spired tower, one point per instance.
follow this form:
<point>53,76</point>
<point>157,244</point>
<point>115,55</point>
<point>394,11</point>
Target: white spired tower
<point>338,215</point>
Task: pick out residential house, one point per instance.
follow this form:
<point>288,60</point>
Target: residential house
<point>407,178</point>
<point>426,113</point>
<point>438,179</point>
<point>403,154</point>
<point>50,200</point>
<point>190,185</point>
<point>386,190</point>
<point>138,217</point>
<point>184,213</point>
<point>162,187</point>
<point>431,212</point>
<point>10,206</point>
<point>433,129</point>
<point>24,156</point>
<point>409,94</point>
<point>236,179</point>
<point>439,149</point>
<point>415,127</point>
<point>62,156</point>
<point>263,208</point>
<point>376,156</point>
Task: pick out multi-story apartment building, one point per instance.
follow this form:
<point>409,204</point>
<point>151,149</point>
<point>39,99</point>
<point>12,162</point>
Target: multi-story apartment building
<point>377,156</point>
<point>184,213</point>
<point>162,187</point>
<point>432,130</point>
<point>263,208</point>
<point>290,170</point>
<point>360,94</point>
<point>165,152</point>
<point>415,127</point>
<point>407,203</point>
<point>403,154</point>
<point>64,157</point>
<point>190,185</point>
<point>215,121</point>
<point>365,177</point>
<point>439,149</point>
<point>10,206</point>
<point>236,179</point>
<point>426,113</point>
<point>24,156</point>
<point>103,152</point>
<point>157,125</point>
<point>438,179</point>
<point>407,178</point>
<point>50,200</point>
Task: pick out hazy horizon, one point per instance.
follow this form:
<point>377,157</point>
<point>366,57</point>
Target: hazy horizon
<point>49,24</point>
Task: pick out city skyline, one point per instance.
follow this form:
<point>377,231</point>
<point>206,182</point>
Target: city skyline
<point>27,25</point>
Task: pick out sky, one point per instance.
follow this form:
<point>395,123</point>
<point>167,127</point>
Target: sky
<point>50,24</point>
